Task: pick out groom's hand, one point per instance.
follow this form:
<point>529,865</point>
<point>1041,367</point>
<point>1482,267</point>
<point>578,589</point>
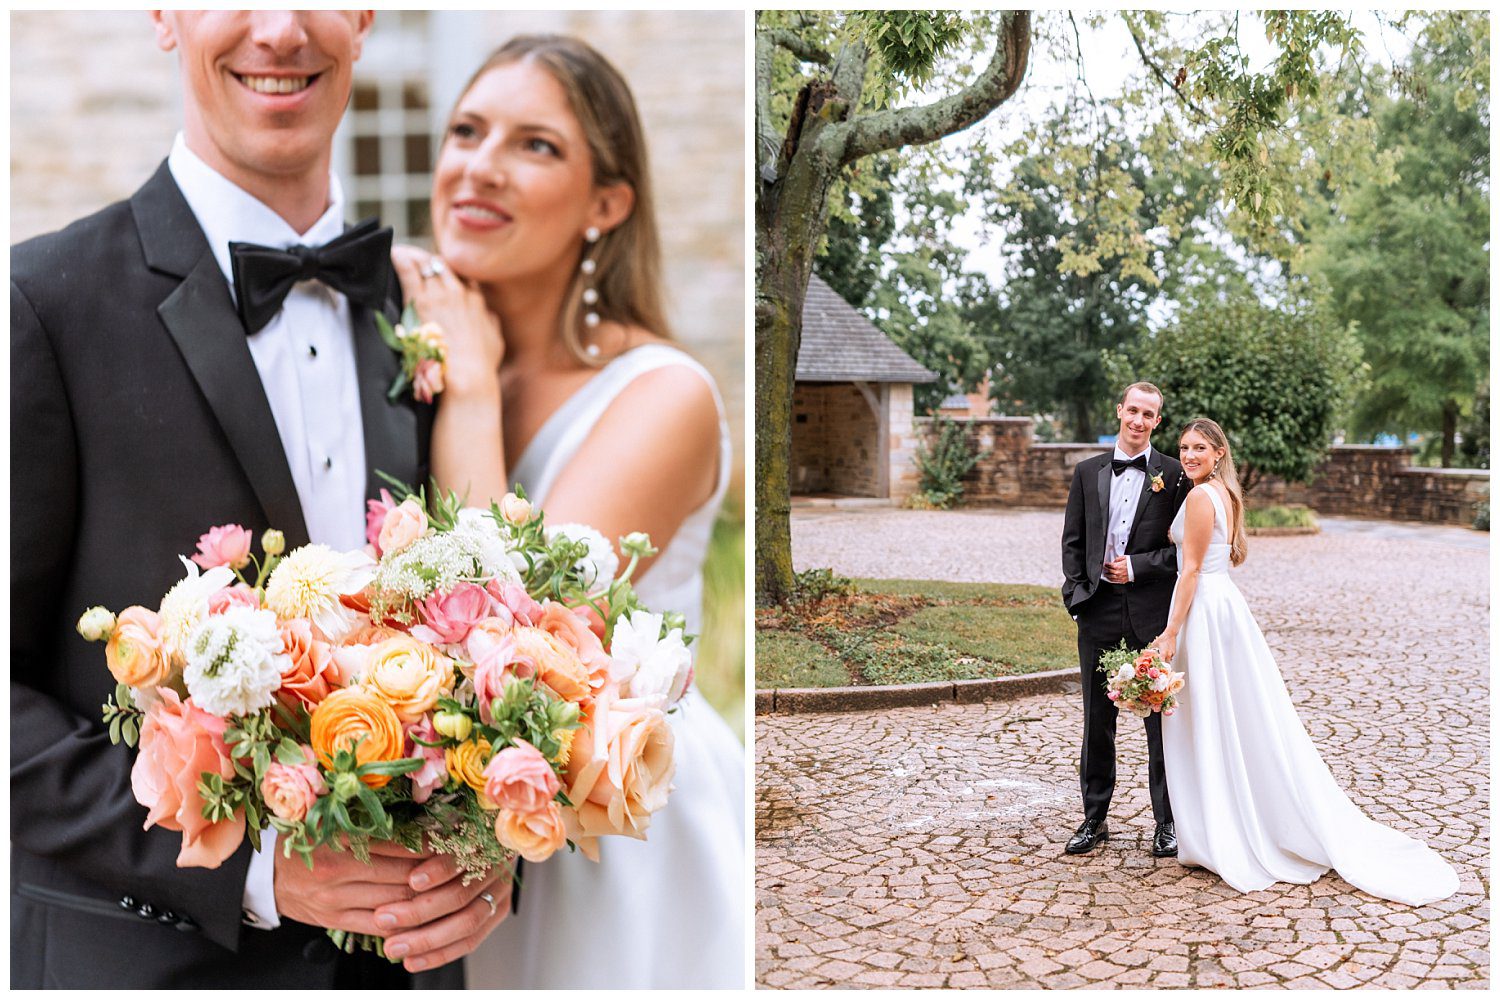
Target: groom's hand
<point>342,892</point>
<point>1118,570</point>
<point>447,919</point>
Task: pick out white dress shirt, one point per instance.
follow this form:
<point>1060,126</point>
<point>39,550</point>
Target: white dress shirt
<point>1124,495</point>
<point>305,357</point>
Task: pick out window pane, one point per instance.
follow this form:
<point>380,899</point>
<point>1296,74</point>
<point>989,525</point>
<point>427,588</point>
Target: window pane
<point>366,155</point>
<point>418,154</point>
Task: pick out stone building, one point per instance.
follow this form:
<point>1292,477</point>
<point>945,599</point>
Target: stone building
<point>852,419</point>
<point>94,106</point>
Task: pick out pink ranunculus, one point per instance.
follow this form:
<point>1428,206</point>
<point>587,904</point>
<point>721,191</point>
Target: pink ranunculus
<point>453,615</point>
<point>519,778</point>
<point>571,628</point>
<point>434,771</point>
<point>403,525</point>
<point>495,663</point>
<point>514,598</point>
<point>310,674</point>
<point>428,380</point>
<point>237,596</point>
<point>290,790</point>
<point>226,545</point>
<point>179,742</point>
<point>375,513</point>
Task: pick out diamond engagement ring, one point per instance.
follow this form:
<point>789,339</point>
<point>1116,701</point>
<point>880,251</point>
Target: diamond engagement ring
<point>491,900</point>
<point>433,268</point>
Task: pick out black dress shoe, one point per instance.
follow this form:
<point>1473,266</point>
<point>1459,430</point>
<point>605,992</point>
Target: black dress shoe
<point>1164,844</point>
<point>1091,834</point>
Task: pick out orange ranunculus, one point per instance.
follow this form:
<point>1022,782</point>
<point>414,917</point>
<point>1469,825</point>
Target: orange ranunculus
<point>134,654</point>
<point>467,761</point>
<point>352,714</point>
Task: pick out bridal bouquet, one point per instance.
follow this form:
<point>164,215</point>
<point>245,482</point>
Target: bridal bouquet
<point>1140,682</point>
<point>472,682</point>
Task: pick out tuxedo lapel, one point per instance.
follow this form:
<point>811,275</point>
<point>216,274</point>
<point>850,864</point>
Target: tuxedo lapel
<point>200,316</point>
<point>390,426</point>
<point>1101,507</point>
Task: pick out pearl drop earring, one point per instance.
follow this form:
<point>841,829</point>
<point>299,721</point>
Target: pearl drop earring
<point>590,293</point>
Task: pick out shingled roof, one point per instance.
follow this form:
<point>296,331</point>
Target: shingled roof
<point>840,345</point>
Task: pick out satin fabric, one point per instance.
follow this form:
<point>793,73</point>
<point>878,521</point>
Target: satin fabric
<point>1252,798</point>
<point>667,912</point>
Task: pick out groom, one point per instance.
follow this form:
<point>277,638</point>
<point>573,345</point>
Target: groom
<point>1119,570</point>
<point>159,388</point>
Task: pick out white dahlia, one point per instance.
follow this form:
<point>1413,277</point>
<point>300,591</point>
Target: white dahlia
<point>185,606</point>
<point>308,584</point>
<point>235,661</point>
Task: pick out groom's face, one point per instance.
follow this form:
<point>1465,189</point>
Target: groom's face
<point>1139,413</point>
<point>263,91</point>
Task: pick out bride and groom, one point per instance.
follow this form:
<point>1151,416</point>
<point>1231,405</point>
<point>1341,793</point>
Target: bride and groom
<point>1237,786</point>
<point>161,383</point>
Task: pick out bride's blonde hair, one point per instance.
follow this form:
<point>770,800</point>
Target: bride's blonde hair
<point>1225,473</point>
<point>627,259</point>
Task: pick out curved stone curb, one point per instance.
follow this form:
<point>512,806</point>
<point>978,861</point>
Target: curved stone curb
<point>865,698</point>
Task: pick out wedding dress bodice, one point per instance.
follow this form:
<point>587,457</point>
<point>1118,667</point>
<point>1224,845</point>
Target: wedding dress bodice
<point>1216,559</point>
<point>675,581</point>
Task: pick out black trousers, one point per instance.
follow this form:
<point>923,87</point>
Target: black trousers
<point>1102,623</point>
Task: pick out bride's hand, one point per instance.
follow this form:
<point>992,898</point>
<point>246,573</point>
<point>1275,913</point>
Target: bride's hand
<point>1166,645</point>
<point>471,332</point>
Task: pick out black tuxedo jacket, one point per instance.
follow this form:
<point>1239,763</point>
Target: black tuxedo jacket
<point>1153,557</point>
<point>138,421</point>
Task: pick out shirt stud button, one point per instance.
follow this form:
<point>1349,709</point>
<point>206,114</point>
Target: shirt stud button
<point>328,463</point>
<point>312,351</point>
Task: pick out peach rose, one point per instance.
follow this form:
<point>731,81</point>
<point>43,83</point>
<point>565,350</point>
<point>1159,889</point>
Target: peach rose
<point>312,674</point>
<point>237,596</point>
<point>572,630</point>
<point>134,653</point>
<point>466,762</point>
<point>402,526</point>
<point>520,779</point>
<point>619,771</point>
<point>557,666</point>
<point>226,545</point>
<point>179,743</point>
<point>535,836</point>
<point>355,714</point>
<point>408,675</point>
<point>290,790</point>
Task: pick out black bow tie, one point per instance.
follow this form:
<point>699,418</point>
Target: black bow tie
<point>1121,464</point>
<point>357,263</point>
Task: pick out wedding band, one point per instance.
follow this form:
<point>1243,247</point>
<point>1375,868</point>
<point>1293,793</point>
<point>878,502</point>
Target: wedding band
<point>491,900</point>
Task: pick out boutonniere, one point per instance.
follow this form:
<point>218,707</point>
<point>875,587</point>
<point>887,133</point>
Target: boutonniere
<point>1157,482</point>
<point>423,354</point>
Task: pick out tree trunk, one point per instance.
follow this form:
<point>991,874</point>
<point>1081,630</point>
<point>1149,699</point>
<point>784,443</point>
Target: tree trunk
<point>1450,431</point>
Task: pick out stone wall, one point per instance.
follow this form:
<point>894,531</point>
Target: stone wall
<point>1352,481</point>
<point>903,441</point>
<point>835,440</point>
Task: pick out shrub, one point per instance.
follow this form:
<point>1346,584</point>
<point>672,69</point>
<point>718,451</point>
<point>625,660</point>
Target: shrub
<point>1482,516</point>
<point>1296,516</point>
<point>816,584</point>
<point>943,461</point>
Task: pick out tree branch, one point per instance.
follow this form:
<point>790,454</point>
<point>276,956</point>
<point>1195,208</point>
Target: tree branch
<point>797,45</point>
<point>1156,70</point>
<point>884,130</point>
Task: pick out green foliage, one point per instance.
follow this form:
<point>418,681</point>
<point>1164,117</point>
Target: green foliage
<point>122,716</point>
<point>1482,516</point>
<point>1406,257</point>
<point>1474,445</point>
<point>816,584</point>
<point>1276,378</point>
<point>909,42</point>
<point>943,460</point>
<point>1295,516</point>
<point>720,668</point>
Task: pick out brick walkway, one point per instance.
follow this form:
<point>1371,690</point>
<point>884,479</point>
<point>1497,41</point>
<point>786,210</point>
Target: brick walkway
<point>923,846</point>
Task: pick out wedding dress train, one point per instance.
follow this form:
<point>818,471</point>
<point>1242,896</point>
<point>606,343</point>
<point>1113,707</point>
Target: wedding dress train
<point>1252,799</point>
<point>667,912</point>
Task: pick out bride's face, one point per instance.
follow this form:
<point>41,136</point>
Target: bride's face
<point>513,192</point>
<point>1197,456</point>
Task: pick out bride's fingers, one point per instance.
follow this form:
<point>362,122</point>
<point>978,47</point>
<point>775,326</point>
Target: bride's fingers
<point>408,262</point>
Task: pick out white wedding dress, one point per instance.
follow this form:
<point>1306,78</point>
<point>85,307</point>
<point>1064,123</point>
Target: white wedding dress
<point>667,912</point>
<point>1251,797</point>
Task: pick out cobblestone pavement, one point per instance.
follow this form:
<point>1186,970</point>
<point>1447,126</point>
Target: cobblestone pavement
<point>923,846</point>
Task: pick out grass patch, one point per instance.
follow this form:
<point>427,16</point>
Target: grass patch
<point>914,631</point>
<point>1296,516</point>
<point>720,667</point>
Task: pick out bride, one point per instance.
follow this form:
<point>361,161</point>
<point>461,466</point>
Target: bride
<point>1252,798</point>
<point>561,377</point>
